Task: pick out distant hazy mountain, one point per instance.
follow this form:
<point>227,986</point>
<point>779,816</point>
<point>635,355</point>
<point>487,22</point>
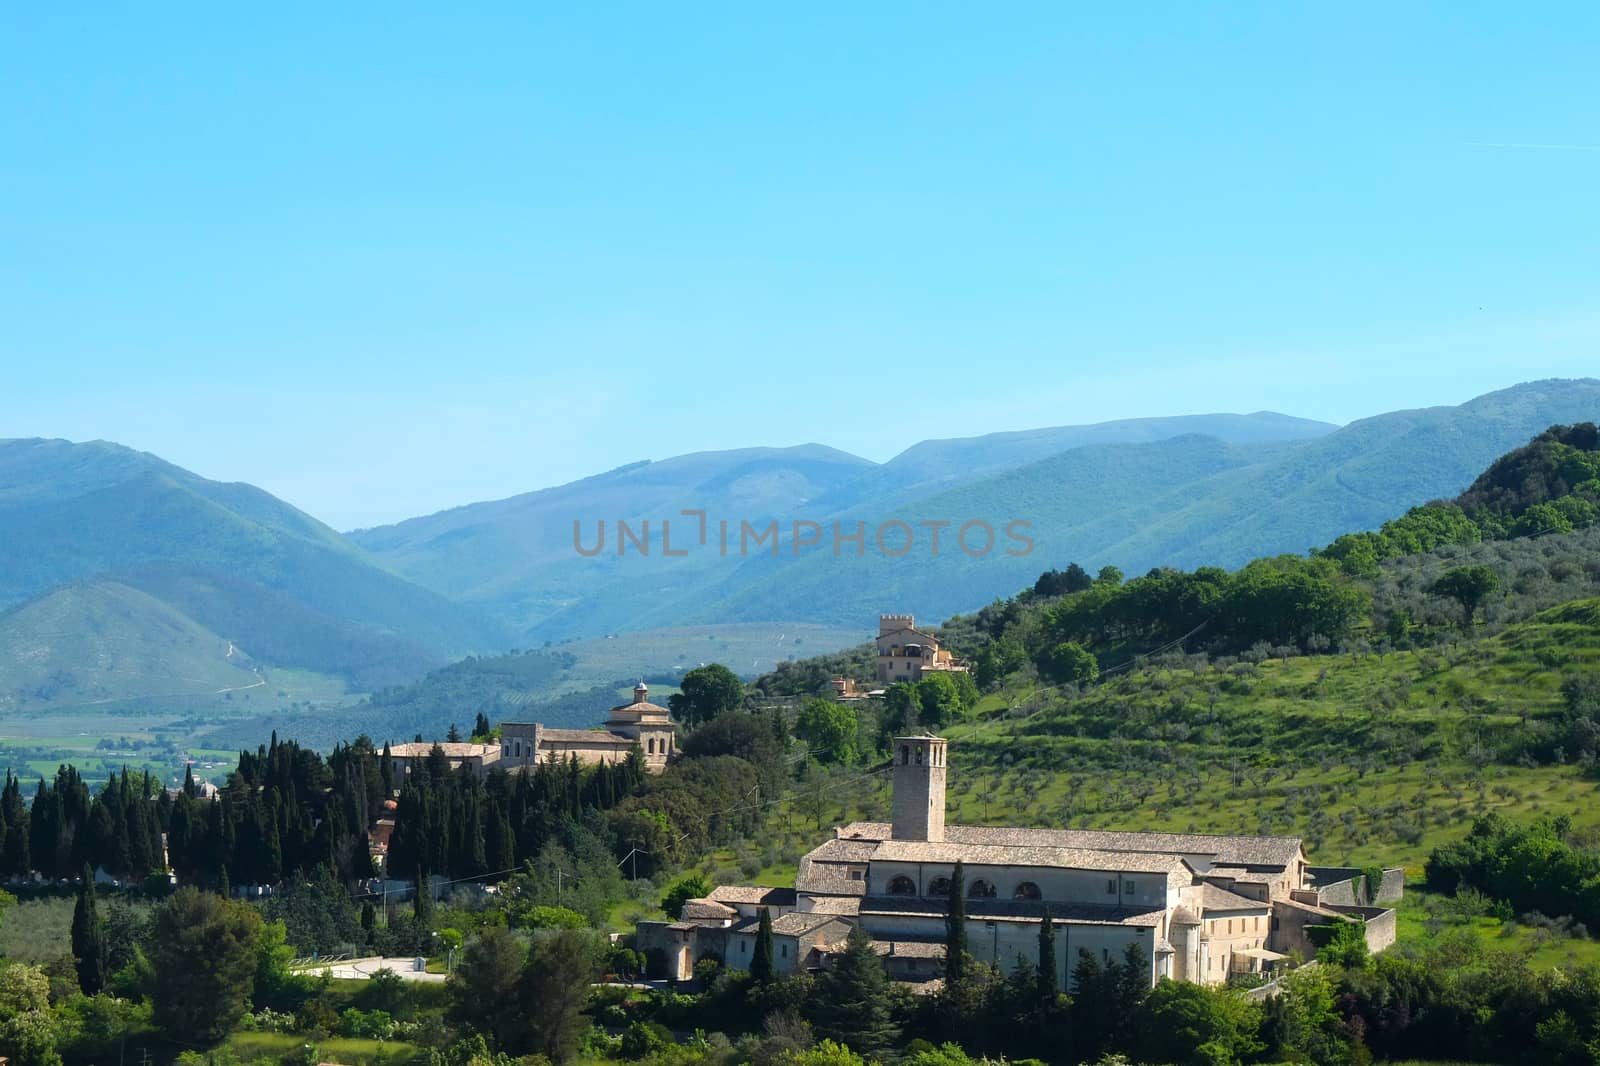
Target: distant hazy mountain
<point>1185,502</point>
<point>101,641</point>
<point>515,557</point>
<point>933,465</point>
<point>111,547</point>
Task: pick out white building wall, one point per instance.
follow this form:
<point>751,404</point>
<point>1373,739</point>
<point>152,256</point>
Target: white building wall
<point>1000,941</point>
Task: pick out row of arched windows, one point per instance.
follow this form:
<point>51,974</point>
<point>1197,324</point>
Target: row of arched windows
<point>939,888</point>
<point>936,756</point>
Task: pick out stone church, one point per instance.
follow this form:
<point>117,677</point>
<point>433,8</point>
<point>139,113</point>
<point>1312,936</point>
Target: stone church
<point>1200,908</point>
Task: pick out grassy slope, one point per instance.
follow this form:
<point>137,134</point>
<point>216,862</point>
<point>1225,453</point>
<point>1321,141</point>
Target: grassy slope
<point>102,641</point>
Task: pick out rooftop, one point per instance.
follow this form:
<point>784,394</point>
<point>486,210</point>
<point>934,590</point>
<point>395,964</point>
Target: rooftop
<point>585,736</point>
<point>828,879</point>
<point>997,854</point>
<point>799,923</point>
<point>1223,850</point>
<point>1213,898</point>
<point>707,910</point>
<point>411,750</point>
<point>756,894</point>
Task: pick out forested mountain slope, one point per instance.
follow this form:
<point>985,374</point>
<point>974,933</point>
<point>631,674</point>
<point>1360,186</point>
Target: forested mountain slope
<point>85,526</point>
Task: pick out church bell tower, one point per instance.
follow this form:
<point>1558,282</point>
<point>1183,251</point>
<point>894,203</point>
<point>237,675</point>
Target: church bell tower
<point>919,771</point>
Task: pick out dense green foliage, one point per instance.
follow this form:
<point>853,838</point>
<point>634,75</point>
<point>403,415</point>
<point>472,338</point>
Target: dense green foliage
<point>706,693</point>
<point>203,963</point>
<point>1533,867</point>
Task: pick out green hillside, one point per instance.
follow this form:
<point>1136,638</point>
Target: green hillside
<point>230,558</point>
<point>571,684</point>
<point>135,643</point>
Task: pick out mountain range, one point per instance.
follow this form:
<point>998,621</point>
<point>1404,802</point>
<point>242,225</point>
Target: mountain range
<point>1217,489</point>
<point>125,578</point>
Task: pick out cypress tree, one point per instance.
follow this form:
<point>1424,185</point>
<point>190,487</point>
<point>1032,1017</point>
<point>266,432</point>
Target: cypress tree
<point>1049,984</point>
<point>761,961</point>
<point>15,853</point>
<point>386,771</point>
<point>189,787</point>
<point>956,958</point>
<point>422,903</point>
<point>88,938</point>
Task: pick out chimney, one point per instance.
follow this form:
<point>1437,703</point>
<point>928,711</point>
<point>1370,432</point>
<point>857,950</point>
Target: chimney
<point>919,780</point>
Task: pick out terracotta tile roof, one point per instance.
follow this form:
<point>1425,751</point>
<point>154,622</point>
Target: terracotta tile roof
<point>708,909</point>
<point>411,750</point>
<point>799,923</point>
<point>1184,916</point>
<point>1213,898</point>
<point>986,854</point>
<point>847,906</point>
<point>651,709</point>
<point>845,850</point>
<point>1224,850</point>
<point>586,736</point>
<point>756,894</point>
<point>827,879</point>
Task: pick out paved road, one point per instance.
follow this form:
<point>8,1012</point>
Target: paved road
<point>361,969</point>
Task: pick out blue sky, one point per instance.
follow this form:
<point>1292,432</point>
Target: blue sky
<point>383,260</point>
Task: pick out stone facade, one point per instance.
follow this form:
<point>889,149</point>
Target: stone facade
<point>919,780</point>
<point>906,653</point>
<point>525,744</point>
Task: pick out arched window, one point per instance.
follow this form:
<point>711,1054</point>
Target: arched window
<point>905,754</point>
<point>902,886</point>
<point>1027,890</point>
<point>650,745</point>
<point>981,889</point>
<point>939,887</point>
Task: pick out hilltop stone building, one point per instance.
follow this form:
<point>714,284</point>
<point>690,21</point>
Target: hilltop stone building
<point>906,653</point>
<point>527,744</point>
<point>1200,908</point>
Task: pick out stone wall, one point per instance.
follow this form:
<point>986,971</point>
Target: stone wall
<point>1380,925</point>
<point>1345,886</point>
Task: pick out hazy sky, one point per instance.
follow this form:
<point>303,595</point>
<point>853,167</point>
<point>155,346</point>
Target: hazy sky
<point>380,263</point>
